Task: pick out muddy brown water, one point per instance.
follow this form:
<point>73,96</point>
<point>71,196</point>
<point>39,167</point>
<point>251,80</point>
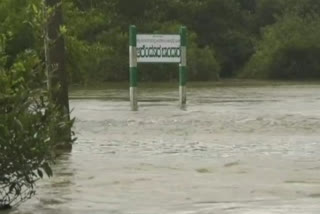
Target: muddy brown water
<point>235,149</point>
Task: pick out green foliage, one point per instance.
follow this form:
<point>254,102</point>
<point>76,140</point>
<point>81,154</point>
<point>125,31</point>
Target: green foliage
<point>267,11</point>
<point>26,115</point>
<point>226,33</point>
<point>97,41</point>
<point>24,143</point>
<point>94,52</point>
<point>222,26</point>
<point>203,65</point>
<point>289,49</point>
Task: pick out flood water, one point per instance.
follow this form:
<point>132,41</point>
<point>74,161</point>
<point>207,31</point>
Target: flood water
<point>235,149</point>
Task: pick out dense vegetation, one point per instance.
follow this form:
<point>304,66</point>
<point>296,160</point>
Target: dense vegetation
<point>275,39</point>
<point>30,118</point>
<point>237,38</point>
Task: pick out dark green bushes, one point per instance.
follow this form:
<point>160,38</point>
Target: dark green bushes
<point>27,117</point>
<point>289,49</point>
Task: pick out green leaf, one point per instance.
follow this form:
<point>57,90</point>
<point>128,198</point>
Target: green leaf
<point>63,29</point>
<point>18,123</point>
<point>35,9</point>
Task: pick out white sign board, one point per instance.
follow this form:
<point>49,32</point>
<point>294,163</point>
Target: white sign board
<point>155,48</point>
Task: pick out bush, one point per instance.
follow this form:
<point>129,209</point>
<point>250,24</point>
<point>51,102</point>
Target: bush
<point>26,118</point>
<point>290,49</point>
<point>203,65</point>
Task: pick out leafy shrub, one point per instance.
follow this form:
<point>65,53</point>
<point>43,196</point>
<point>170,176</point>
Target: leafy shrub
<point>203,65</point>
<point>290,49</point>
<point>26,122</point>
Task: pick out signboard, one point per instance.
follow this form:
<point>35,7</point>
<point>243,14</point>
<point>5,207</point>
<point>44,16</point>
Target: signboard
<point>158,48</point>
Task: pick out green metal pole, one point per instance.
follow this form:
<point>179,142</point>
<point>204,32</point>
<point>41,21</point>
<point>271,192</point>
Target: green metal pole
<point>133,67</point>
<point>183,68</point>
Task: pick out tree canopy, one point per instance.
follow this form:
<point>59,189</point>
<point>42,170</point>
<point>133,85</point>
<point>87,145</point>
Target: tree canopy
<point>225,37</point>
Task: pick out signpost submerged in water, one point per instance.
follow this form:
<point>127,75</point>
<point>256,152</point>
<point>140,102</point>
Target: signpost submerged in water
<point>157,48</point>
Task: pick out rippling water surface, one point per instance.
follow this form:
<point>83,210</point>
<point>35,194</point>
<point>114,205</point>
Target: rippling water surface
<point>235,149</point>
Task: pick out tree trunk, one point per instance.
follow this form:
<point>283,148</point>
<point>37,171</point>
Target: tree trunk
<point>57,76</point>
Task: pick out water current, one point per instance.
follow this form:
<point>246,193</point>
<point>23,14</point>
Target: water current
<point>236,148</point>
